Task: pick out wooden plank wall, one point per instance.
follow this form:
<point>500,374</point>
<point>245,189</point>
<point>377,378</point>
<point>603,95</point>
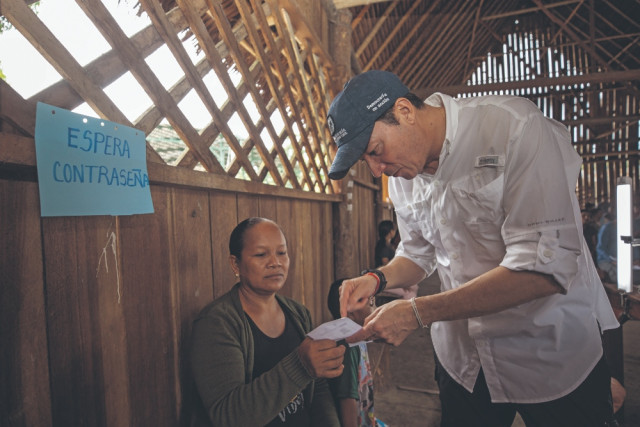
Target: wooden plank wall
<point>366,223</point>
<point>95,312</point>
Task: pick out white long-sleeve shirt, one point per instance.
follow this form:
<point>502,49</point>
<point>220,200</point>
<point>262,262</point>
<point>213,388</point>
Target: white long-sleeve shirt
<point>504,194</point>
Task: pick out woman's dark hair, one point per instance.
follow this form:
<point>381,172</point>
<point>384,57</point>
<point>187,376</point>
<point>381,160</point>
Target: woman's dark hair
<point>236,240</point>
<point>385,228</point>
<point>390,118</point>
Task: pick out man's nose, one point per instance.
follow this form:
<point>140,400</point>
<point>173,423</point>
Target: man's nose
<point>375,167</point>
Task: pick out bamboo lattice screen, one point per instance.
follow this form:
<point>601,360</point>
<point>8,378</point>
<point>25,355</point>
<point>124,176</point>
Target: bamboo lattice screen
<point>258,71</point>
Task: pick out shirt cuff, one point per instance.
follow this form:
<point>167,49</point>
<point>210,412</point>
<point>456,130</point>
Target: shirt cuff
<point>543,253</point>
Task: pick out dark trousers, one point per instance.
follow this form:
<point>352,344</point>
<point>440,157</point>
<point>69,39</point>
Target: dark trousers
<point>588,405</point>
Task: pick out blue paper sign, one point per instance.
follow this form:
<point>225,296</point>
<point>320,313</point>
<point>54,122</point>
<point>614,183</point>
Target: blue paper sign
<point>89,166</point>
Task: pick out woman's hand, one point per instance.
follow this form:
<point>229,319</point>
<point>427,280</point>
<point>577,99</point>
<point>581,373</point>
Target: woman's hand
<point>321,358</point>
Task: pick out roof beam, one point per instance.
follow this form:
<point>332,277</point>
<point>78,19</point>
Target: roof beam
<point>344,4</point>
<point>608,77</point>
<point>520,12</point>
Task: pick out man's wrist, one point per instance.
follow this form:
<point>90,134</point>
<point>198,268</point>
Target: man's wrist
<point>379,276</point>
<point>417,314</point>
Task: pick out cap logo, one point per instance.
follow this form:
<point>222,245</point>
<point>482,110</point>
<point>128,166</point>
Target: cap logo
<point>379,102</point>
<point>330,124</point>
<point>339,135</point>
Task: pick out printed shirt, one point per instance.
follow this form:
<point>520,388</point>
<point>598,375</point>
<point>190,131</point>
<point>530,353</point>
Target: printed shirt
<point>504,194</point>
<point>356,382</point>
<point>366,415</point>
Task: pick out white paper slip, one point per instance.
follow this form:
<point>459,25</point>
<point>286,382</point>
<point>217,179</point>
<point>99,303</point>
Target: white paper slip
<point>336,330</point>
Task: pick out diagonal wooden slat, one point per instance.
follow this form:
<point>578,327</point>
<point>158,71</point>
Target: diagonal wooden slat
<point>111,31</point>
<point>212,131</point>
<point>151,118</point>
<point>18,112</point>
<point>160,21</point>
<point>223,24</point>
<point>409,37</point>
<point>286,93</point>
<point>285,27</point>
<point>381,21</point>
<point>254,131</point>
<point>434,45</point>
<point>263,56</point>
<point>108,68</point>
<point>600,37</point>
<point>363,12</point>
<point>322,94</point>
<point>26,21</point>
<point>473,36</point>
<point>389,37</point>
<point>275,46</point>
<point>554,18</point>
<point>216,61</point>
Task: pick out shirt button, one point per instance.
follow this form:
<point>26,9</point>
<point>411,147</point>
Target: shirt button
<point>454,256</point>
<point>548,253</point>
<point>443,221</point>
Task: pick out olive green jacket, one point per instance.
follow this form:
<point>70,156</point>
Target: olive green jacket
<point>222,366</point>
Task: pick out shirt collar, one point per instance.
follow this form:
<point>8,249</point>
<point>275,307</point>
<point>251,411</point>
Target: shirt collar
<point>438,99</point>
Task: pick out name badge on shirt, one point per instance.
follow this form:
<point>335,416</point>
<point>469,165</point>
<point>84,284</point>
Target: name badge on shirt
<point>493,160</point>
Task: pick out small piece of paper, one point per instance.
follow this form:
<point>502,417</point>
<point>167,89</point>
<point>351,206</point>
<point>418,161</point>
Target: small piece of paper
<point>336,330</point>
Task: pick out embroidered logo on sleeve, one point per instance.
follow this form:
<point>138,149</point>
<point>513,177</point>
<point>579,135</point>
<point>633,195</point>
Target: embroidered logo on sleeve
<point>492,160</point>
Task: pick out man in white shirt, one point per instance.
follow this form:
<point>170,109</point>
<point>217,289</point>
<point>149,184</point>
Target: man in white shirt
<point>484,192</point>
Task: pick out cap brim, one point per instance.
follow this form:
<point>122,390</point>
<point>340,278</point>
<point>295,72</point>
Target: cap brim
<point>349,153</point>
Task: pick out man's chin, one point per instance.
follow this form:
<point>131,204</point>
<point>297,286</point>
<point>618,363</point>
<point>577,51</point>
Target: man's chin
<point>404,174</point>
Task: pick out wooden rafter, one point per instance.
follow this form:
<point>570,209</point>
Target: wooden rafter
<point>391,35</point>
<point>380,22</point>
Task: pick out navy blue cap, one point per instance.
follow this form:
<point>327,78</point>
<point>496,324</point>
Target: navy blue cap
<point>354,112</point>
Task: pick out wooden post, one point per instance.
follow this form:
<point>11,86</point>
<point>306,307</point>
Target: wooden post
<point>340,44</point>
<point>345,261</point>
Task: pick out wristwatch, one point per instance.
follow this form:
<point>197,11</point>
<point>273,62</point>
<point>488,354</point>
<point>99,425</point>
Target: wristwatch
<point>382,281</point>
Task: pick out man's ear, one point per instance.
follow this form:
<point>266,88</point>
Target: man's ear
<point>404,110</point>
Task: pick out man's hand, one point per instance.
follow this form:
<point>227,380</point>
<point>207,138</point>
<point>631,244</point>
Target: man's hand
<point>355,293</point>
<point>391,323</point>
<point>321,358</point>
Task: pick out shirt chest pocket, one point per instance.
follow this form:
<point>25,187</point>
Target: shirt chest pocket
<point>477,199</point>
<point>418,216</point>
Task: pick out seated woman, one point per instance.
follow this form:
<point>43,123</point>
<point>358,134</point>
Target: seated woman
<point>251,361</point>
